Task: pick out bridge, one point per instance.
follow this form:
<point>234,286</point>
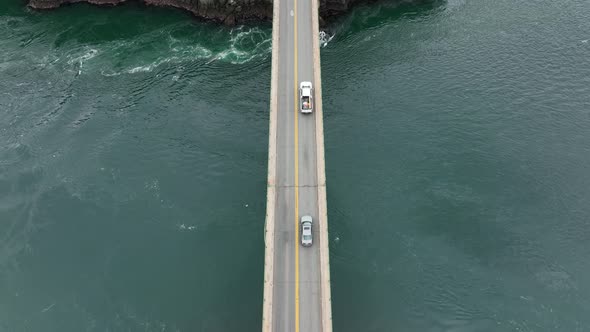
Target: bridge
<point>296,278</point>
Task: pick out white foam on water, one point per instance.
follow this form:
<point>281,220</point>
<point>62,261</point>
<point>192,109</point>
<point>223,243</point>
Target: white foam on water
<point>187,228</point>
<point>325,38</point>
<point>88,54</point>
<point>146,68</point>
<point>80,59</point>
<point>243,39</point>
<point>187,53</point>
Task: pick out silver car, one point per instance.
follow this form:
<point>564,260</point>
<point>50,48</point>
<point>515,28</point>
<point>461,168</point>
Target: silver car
<point>306,237</point>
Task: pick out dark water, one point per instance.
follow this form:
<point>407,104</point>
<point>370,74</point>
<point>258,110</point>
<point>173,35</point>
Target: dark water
<point>133,168</point>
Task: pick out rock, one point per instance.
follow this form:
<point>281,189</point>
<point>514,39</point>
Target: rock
<point>226,11</point>
<point>49,4</point>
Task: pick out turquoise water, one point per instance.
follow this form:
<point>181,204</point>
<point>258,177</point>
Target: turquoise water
<point>133,171</point>
<point>133,168</point>
<point>457,161</point>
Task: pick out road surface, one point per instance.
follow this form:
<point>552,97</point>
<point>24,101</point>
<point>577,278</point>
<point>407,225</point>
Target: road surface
<point>296,292</point>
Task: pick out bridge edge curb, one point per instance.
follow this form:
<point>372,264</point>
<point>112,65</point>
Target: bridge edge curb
<point>326,298</point>
<point>269,223</point>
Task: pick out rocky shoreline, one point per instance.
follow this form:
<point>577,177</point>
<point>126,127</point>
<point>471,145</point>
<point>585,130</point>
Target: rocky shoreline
<point>228,12</point>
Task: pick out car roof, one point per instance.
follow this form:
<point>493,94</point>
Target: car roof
<point>306,218</point>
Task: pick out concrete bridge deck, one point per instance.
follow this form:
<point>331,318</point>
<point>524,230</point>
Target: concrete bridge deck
<point>296,278</point>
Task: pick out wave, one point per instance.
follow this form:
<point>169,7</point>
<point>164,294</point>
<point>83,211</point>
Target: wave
<point>239,46</point>
<point>175,44</point>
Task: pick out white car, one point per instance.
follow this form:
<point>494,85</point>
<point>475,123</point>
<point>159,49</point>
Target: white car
<point>306,235</point>
<point>305,97</point>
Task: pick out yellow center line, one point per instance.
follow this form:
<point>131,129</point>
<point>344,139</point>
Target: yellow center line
<point>296,136</point>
